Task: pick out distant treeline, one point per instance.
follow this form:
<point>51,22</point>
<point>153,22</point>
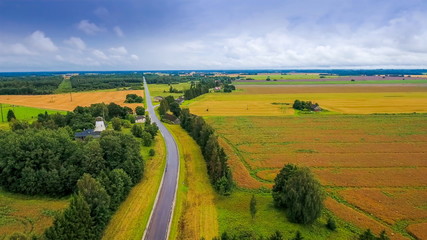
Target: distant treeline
<point>94,82</point>
<point>214,155</point>
<point>170,79</point>
<point>203,86</point>
<point>29,85</point>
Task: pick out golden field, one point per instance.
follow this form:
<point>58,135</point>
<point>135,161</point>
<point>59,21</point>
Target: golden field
<point>278,100</point>
<point>63,101</point>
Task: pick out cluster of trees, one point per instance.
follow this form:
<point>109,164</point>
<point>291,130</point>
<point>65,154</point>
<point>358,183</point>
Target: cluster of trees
<point>305,105</point>
<point>147,133</point>
<point>139,110</point>
<point>251,236</point>
<point>106,81</point>
<point>229,88</point>
<point>203,86</point>
<point>214,155</point>
<point>79,119</point>
<point>174,90</point>
<point>29,85</point>
<point>133,98</point>
<point>49,162</point>
<point>169,103</point>
<point>91,206</point>
<point>368,235</point>
<point>299,193</point>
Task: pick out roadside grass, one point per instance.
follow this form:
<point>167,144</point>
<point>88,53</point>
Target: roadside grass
<point>26,113</point>
<point>65,86</point>
<point>414,81</point>
<point>234,217</point>
<point>29,215</point>
<point>130,220</point>
<point>286,77</point>
<point>195,214</point>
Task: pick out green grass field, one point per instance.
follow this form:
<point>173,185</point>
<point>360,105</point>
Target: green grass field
<point>234,217</point>
<point>65,86</point>
<point>27,215</point>
<point>23,113</point>
<point>415,81</point>
<point>159,89</point>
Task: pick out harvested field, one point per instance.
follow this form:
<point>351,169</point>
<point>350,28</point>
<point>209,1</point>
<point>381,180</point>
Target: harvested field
<point>418,230</point>
<point>359,219</point>
<point>377,164</point>
<point>269,101</point>
<point>63,101</point>
<point>389,204</point>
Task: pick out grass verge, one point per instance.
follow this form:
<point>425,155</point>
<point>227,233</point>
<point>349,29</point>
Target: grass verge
<point>130,220</point>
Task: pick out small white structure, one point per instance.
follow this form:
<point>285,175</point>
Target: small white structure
<point>140,119</point>
<point>99,125</point>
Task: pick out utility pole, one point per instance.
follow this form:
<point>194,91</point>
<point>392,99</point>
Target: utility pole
<point>71,97</point>
<point>1,110</point>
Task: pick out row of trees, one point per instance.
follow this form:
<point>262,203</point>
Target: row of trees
<point>251,236</point>
<point>29,85</point>
<point>214,155</point>
<point>49,162</point>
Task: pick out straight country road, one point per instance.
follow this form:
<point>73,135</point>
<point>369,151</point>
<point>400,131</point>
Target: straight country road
<point>161,216</point>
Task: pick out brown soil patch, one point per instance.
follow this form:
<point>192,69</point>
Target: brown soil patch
<point>418,230</point>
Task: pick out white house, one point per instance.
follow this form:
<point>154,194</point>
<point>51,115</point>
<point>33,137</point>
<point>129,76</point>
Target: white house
<point>99,125</point>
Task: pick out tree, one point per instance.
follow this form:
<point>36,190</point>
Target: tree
<point>367,235</point>
<point>152,152</point>
<point>10,115</point>
<point>170,99</point>
<point>140,110</point>
<point>299,193</point>
<point>253,207</point>
<point>146,138</point>
<point>164,107</point>
<point>298,236</point>
<point>175,109</point>
<point>117,123</point>
<point>276,236</point>
<point>136,130</point>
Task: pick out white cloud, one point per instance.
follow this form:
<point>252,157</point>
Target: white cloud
<point>118,31</point>
<point>20,49</point>
<point>134,57</point>
<point>89,27</point>
<point>41,42</point>
<point>76,42</point>
<point>99,54</point>
<point>118,51</point>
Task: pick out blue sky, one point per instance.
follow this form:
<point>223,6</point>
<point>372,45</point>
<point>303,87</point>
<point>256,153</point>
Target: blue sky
<point>49,35</point>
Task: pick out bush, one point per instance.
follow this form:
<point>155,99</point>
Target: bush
<point>331,225</point>
<point>140,110</point>
<point>152,152</point>
<point>117,124</point>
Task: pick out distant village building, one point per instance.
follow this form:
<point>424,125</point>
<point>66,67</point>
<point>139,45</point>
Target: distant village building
<point>158,98</point>
<point>140,119</point>
<point>95,133</point>
<point>180,100</point>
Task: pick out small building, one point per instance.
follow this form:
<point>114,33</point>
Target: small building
<point>99,124</point>
<point>180,100</point>
<point>158,98</point>
<point>96,133</point>
<point>140,119</point>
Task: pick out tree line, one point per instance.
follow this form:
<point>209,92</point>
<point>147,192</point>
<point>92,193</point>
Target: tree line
<point>29,85</point>
<point>305,105</point>
<point>106,81</point>
<point>214,155</point>
<point>203,86</point>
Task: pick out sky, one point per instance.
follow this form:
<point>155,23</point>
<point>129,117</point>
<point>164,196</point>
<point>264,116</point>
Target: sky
<point>80,35</point>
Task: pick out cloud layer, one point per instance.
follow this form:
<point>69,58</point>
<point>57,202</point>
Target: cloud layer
<point>194,34</point>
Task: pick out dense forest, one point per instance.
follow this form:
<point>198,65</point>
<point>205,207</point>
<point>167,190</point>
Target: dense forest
<point>104,81</point>
<point>29,85</point>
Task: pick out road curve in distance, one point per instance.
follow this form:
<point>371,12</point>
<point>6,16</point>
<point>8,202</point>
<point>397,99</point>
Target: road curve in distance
<point>161,215</point>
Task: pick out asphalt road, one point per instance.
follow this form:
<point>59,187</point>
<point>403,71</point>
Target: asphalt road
<point>160,219</point>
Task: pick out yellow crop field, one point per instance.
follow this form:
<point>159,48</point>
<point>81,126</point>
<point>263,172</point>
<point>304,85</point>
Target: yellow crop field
<point>130,220</point>
<point>241,103</point>
<point>198,215</point>
<point>68,102</point>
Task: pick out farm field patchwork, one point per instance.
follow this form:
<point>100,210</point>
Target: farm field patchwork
<point>372,164</point>
<point>63,101</point>
<point>163,89</point>
<point>269,101</point>
<point>28,215</point>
